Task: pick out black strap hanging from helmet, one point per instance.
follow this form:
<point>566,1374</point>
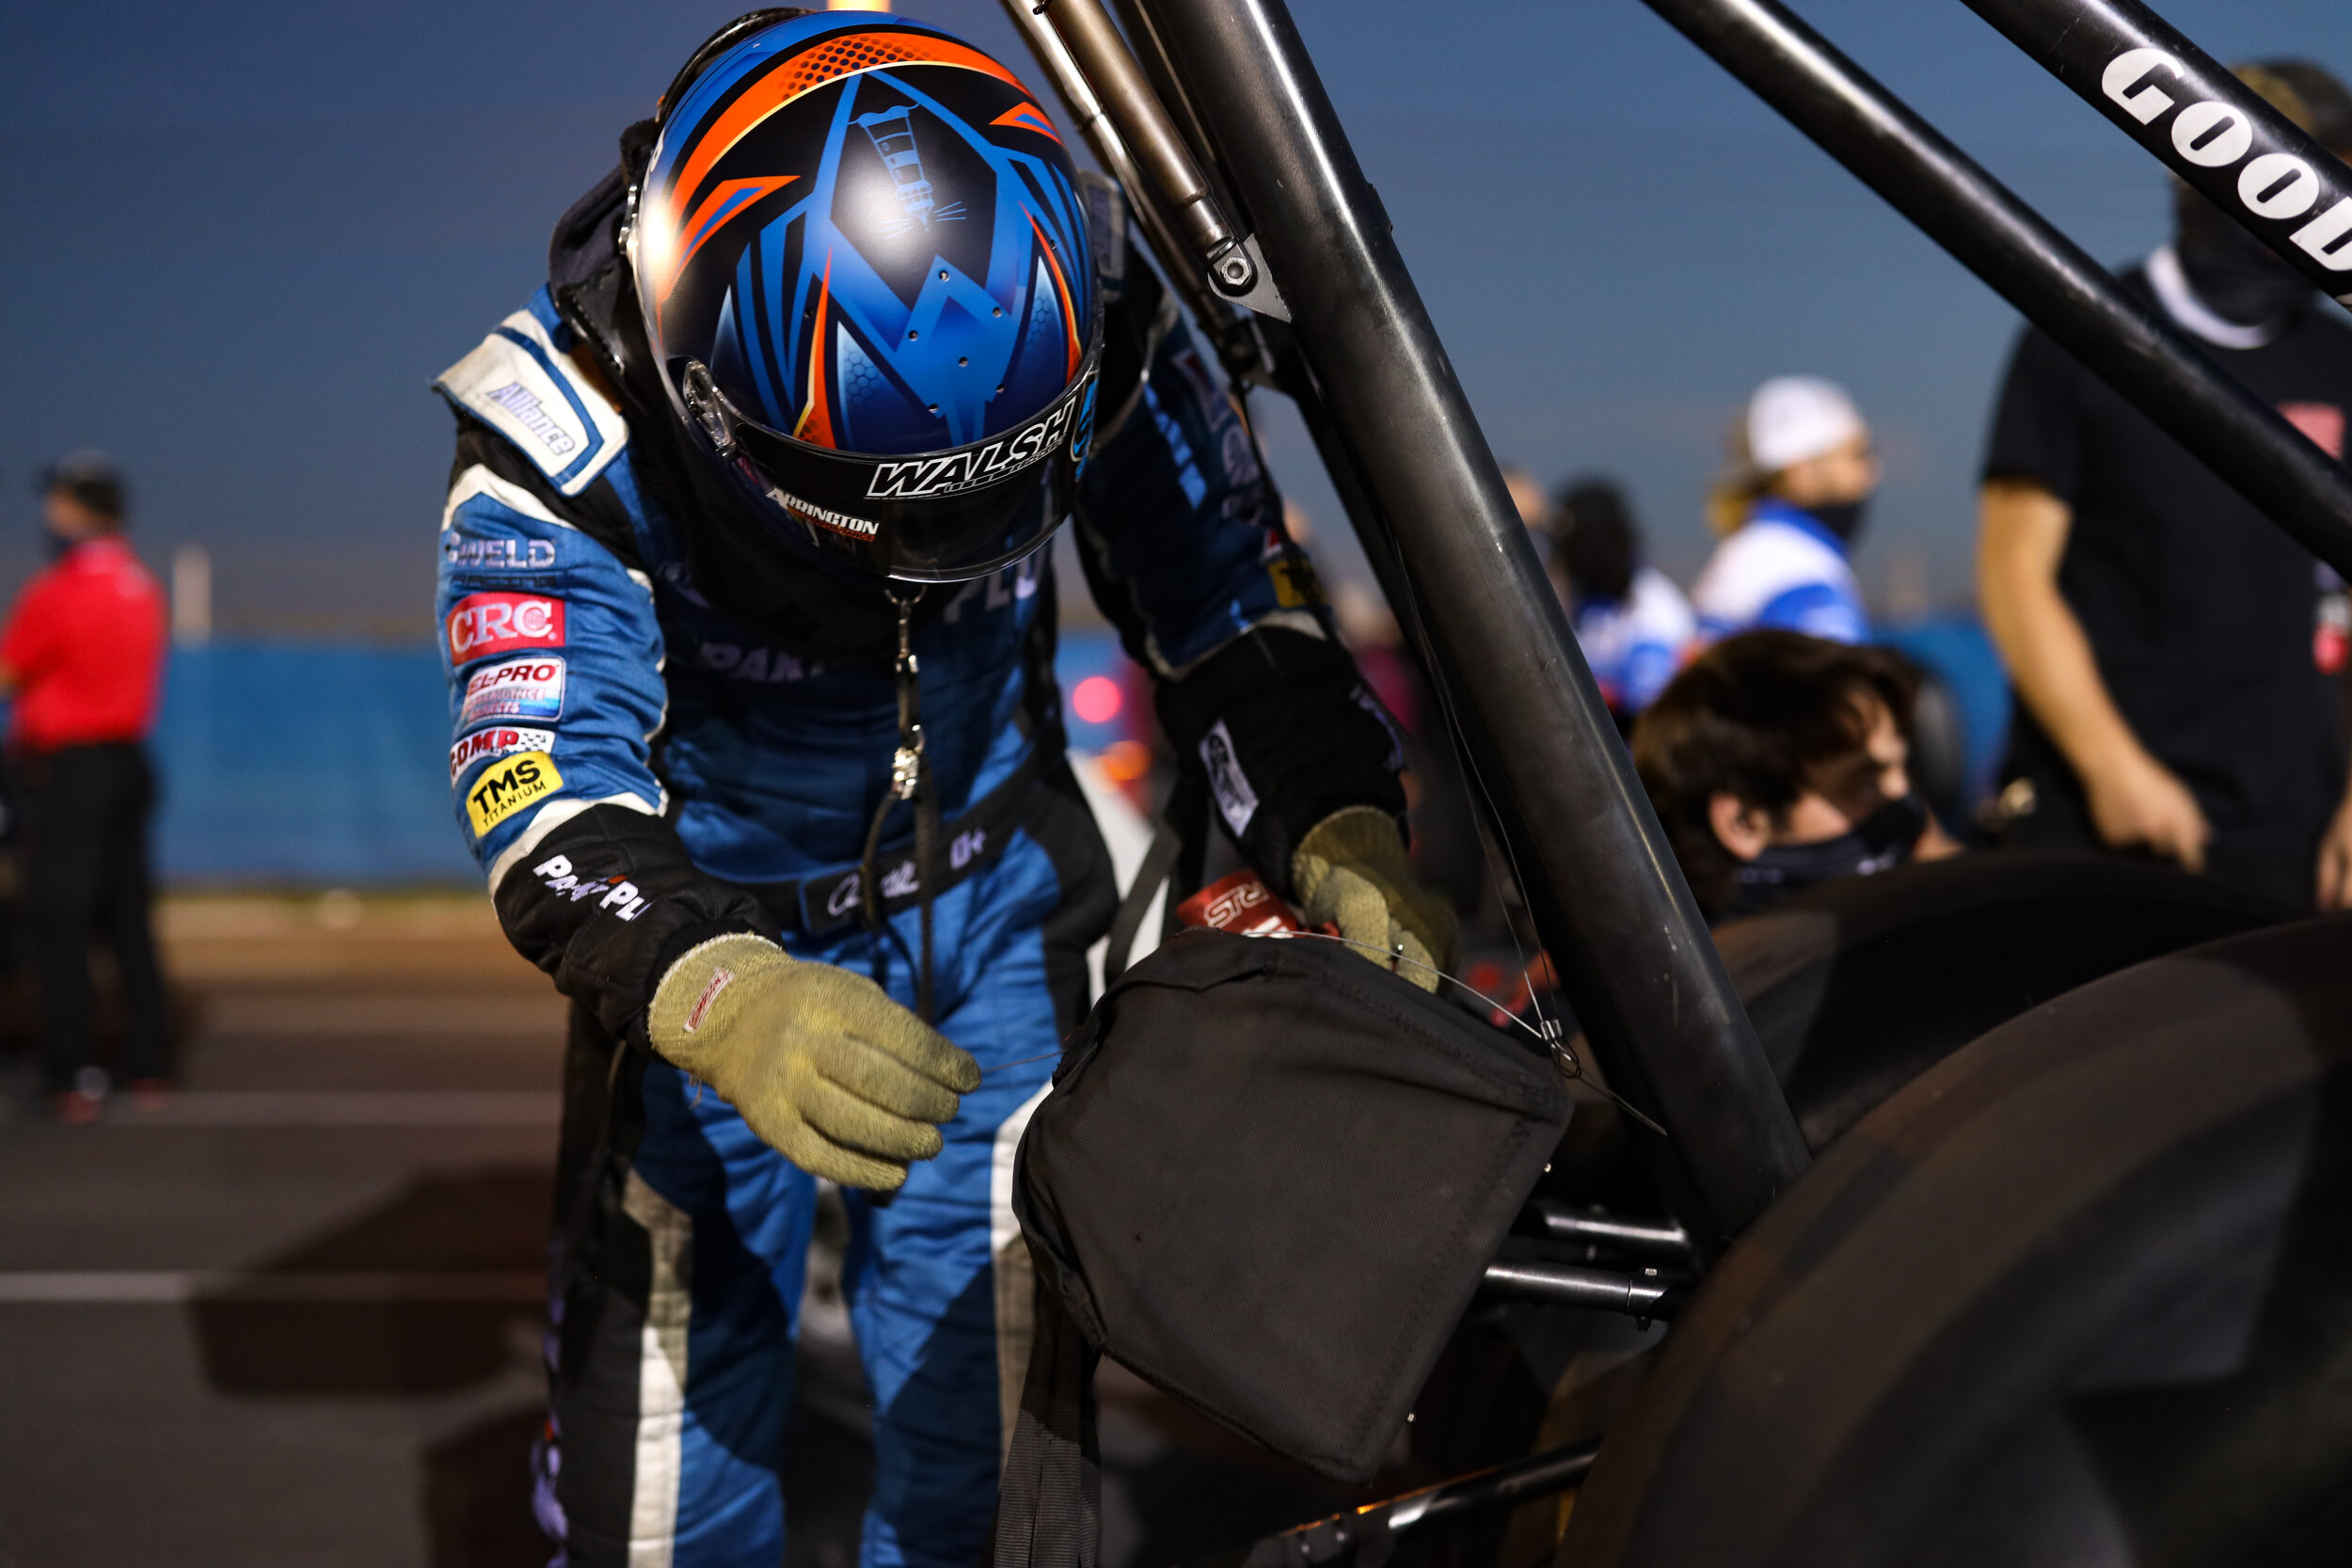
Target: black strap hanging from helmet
<point>910,781</point>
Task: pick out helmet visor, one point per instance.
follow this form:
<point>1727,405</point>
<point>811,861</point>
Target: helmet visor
<point>940,517</point>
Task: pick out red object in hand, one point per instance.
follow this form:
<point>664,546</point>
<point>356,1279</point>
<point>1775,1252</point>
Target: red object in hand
<point>1241,903</point>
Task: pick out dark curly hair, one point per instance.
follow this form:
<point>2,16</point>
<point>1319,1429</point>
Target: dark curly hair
<point>1753,716</point>
<point>1596,539</point>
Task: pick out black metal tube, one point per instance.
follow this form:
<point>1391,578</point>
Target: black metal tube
<point>1636,1296</point>
<point>1144,39</point>
<point>1145,199</point>
<point>1649,1237</point>
<point>2283,185</point>
<point>2127,343</point>
<point>1423,1513</point>
<point>1374,1528</point>
<point>1607,899</point>
<point>1093,40</point>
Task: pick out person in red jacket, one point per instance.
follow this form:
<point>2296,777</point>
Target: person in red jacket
<point>82,653</point>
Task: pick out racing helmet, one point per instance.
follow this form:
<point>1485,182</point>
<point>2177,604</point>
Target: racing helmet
<point>862,259</point>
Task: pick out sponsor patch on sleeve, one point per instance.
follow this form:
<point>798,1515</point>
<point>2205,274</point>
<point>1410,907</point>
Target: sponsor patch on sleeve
<point>616,893</point>
<point>465,552</point>
<point>499,741</point>
<point>522,385</point>
<point>1235,799</point>
<point>518,689</point>
<point>482,626</point>
<point>509,786</point>
<point>1295,583</point>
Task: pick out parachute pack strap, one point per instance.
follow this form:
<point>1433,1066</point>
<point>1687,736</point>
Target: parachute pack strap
<point>926,859</point>
<point>910,781</point>
<point>1159,860</point>
<point>1049,1509</point>
<point>1188,815</point>
<point>1179,845</point>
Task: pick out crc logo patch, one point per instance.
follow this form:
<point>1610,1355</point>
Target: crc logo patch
<point>498,742</point>
<point>507,788</point>
<point>520,689</point>
<point>482,626</point>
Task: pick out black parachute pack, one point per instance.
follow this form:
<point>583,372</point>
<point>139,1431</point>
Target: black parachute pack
<point>1268,1179</point>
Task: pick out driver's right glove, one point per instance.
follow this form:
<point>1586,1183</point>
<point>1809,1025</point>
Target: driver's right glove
<point>826,1068</point>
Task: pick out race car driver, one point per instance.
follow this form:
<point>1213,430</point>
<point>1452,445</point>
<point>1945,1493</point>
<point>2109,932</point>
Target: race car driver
<point>749,637</point>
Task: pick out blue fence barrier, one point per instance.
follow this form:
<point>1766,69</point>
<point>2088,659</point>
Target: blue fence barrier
<point>320,766</point>
<point>306,764</point>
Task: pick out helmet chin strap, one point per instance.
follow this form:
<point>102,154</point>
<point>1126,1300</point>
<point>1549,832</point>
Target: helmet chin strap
<point>910,781</point>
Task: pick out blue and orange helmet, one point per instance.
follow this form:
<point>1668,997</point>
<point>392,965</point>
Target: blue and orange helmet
<point>862,259</point>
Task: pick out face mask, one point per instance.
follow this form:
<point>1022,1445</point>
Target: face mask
<point>1842,518</point>
<point>2234,273</point>
<point>58,543</point>
<point>1882,839</point>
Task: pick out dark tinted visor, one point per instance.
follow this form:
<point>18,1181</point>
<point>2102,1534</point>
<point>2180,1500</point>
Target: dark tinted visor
<point>941,517</point>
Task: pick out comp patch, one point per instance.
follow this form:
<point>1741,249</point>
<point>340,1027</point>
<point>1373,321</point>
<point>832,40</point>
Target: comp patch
<point>507,788</point>
<point>498,742</point>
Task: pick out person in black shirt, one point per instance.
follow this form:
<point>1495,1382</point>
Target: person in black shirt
<point>2177,656</point>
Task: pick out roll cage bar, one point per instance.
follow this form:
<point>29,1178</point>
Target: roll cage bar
<point>1210,115</point>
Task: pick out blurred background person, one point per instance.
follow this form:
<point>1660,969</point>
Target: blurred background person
<point>2180,688</point>
<point>1789,511</point>
<point>83,655</point>
<point>1631,621</point>
<point>1778,761</point>
<point>1527,494</point>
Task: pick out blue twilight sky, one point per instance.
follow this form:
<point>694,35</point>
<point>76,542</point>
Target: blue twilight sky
<point>241,238</point>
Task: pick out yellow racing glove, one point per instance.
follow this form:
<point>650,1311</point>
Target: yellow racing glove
<point>1352,872</point>
<point>826,1068</point>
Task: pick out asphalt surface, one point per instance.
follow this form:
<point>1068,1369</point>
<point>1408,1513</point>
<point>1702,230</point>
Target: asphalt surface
<point>293,1316</point>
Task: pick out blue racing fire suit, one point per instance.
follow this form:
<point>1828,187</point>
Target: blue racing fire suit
<point>663,734</point>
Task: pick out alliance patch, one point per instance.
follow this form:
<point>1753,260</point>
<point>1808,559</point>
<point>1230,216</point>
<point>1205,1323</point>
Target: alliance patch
<point>507,788</point>
<point>522,385</point>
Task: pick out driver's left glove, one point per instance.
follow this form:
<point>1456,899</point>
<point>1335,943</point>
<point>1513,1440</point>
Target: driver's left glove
<point>1351,871</point>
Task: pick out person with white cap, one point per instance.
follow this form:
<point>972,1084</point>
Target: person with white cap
<point>1803,470</point>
